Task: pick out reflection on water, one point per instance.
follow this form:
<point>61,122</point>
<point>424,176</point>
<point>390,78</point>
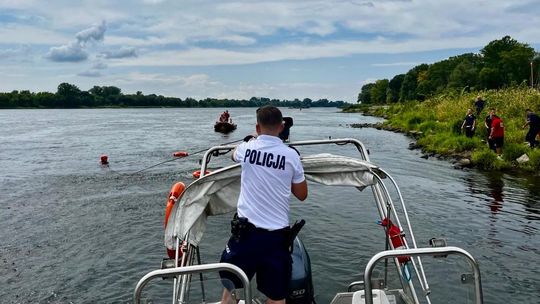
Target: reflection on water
<point>495,185</point>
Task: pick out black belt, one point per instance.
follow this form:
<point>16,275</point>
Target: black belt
<point>281,230</point>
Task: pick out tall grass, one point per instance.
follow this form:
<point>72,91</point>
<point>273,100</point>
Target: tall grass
<point>440,118</point>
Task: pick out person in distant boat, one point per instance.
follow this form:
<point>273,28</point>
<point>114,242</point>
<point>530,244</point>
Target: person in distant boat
<point>497,132</point>
<point>260,239</point>
<point>469,123</point>
<point>226,116</point>
<point>222,117</point>
<point>533,121</point>
<point>487,124</point>
<point>479,104</point>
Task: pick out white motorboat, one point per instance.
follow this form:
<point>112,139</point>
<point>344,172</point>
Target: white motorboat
<point>404,281</point>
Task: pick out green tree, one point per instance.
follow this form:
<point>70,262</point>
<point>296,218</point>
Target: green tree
<point>365,94</point>
<point>68,95</point>
<point>409,86</point>
<point>378,92</point>
<point>509,58</point>
<point>394,86</point>
<point>466,72</point>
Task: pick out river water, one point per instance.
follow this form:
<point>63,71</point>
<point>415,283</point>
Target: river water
<point>72,231</point>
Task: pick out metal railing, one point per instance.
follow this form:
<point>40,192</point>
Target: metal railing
<point>422,252</point>
<point>364,155</point>
<point>173,272</point>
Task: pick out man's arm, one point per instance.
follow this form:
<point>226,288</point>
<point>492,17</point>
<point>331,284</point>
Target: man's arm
<point>232,155</point>
<point>300,190</point>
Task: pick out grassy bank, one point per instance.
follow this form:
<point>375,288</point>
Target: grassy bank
<point>438,122</point>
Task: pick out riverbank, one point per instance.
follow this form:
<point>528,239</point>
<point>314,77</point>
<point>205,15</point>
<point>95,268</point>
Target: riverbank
<point>436,125</point>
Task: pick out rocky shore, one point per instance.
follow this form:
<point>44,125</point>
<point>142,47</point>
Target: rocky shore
<point>460,160</point>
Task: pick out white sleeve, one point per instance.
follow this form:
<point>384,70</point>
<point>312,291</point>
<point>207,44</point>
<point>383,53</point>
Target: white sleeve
<point>239,152</point>
<point>298,171</point>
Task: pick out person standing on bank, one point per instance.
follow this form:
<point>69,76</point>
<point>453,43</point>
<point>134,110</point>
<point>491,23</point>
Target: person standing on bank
<point>469,123</point>
<point>533,121</point>
<point>497,133</point>
<point>479,104</point>
<point>487,124</point>
<point>271,171</point>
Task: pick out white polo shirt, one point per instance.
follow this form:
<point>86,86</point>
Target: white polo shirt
<point>269,168</point>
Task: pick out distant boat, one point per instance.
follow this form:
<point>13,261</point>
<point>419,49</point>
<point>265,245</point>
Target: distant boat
<point>224,127</point>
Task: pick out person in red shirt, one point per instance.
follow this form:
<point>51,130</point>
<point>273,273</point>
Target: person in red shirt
<point>497,132</point>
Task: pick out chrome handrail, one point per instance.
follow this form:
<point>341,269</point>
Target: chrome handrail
<point>340,141</point>
<point>418,252</point>
<point>191,270</point>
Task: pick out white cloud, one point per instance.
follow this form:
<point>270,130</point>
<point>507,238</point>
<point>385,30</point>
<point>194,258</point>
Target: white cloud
<point>237,39</point>
<point>20,52</point>
<point>341,48</point>
<point>71,52</point>
<point>75,51</point>
<point>94,33</point>
<point>123,52</point>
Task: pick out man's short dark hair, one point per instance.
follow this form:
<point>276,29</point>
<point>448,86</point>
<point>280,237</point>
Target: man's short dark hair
<point>528,110</point>
<point>269,116</point>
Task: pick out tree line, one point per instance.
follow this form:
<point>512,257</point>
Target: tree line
<point>501,63</point>
<point>70,96</point>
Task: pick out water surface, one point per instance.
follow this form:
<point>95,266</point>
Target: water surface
<point>72,231</point>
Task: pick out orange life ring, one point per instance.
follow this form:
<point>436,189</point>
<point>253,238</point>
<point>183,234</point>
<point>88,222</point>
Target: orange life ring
<point>175,193</point>
<point>197,174</point>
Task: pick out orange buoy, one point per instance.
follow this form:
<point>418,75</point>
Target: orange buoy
<point>175,193</point>
<point>180,154</point>
<point>197,174</point>
<point>104,159</point>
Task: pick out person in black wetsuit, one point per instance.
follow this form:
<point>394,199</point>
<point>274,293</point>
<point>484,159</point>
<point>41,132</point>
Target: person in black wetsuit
<point>487,124</point>
<point>479,103</point>
<point>533,121</point>
<point>469,123</point>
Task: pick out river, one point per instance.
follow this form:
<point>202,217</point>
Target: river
<point>72,231</point>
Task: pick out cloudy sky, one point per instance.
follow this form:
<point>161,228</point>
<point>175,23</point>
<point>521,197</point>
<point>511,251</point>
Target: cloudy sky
<point>239,49</point>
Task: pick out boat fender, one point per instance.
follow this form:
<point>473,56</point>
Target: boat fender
<point>396,237</point>
<point>197,174</point>
<point>175,193</point>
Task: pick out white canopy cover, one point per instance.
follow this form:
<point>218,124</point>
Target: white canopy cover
<point>217,193</point>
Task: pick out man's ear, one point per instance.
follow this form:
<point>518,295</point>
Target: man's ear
<point>258,129</point>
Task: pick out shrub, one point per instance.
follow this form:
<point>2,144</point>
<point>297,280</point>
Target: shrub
<point>413,121</point>
<point>487,160</point>
<point>534,160</point>
<point>512,151</point>
<point>427,126</point>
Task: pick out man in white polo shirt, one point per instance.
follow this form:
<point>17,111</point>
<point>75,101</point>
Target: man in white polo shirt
<point>271,171</point>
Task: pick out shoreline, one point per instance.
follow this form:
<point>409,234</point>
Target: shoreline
<point>460,160</point>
